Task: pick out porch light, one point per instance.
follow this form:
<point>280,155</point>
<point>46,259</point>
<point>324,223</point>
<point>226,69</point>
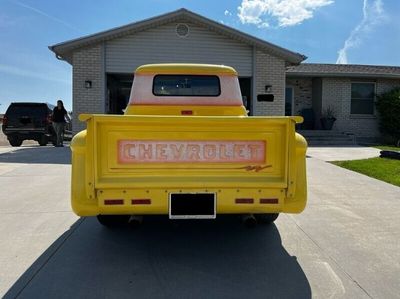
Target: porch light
<point>268,88</point>
<point>88,84</point>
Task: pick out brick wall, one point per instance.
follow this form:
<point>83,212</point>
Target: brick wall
<point>269,70</point>
<point>384,85</point>
<point>336,93</point>
<point>88,64</point>
<point>302,93</point>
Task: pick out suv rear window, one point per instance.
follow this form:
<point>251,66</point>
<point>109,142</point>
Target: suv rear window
<point>186,85</point>
<point>19,110</point>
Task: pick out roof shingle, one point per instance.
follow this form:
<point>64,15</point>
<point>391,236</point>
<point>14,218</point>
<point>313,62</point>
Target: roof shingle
<point>343,70</point>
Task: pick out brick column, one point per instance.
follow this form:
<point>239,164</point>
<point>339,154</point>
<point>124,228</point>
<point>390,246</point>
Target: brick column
<point>269,70</point>
<point>88,65</point>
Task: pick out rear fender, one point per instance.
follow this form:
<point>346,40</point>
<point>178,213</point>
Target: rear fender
<point>297,203</point>
<point>81,203</point>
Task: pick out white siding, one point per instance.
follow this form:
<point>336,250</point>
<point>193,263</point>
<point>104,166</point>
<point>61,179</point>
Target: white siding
<point>162,45</point>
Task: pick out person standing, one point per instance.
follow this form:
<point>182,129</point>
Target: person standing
<point>59,116</point>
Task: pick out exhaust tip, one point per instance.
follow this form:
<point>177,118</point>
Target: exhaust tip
<point>249,220</point>
<point>135,220</point>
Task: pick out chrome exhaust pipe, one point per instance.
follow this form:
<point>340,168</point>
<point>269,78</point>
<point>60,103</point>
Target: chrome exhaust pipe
<point>135,220</point>
<point>249,220</point>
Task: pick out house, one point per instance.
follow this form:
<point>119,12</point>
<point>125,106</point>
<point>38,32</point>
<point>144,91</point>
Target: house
<point>103,63</point>
<point>349,90</point>
<point>103,66</point>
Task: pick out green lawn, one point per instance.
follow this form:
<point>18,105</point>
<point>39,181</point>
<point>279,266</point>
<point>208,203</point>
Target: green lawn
<point>387,170</point>
<point>387,147</point>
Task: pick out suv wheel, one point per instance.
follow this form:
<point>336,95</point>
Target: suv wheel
<point>43,140</point>
<point>15,141</point>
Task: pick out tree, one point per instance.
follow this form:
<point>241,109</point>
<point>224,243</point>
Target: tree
<point>388,105</point>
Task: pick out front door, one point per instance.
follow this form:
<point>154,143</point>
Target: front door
<point>245,88</point>
<point>289,101</point>
<point>118,92</point>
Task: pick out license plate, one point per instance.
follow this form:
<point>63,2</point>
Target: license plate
<point>192,206</point>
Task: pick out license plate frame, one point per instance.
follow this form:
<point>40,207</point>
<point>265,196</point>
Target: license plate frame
<point>202,201</point>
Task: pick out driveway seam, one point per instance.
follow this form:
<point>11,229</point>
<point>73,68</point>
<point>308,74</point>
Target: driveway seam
<point>80,221</point>
<point>331,258</point>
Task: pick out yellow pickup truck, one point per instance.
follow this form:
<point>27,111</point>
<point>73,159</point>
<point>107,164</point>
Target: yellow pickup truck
<point>186,148</point>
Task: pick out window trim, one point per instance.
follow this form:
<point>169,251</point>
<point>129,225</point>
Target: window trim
<point>182,75</point>
<point>373,100</point>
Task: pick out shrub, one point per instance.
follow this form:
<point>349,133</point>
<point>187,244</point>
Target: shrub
<point>388,105</point>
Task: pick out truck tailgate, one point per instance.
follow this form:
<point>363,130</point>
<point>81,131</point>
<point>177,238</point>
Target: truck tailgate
<point>188,152</point>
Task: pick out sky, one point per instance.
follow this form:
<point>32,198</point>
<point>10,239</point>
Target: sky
<point>326,31</point>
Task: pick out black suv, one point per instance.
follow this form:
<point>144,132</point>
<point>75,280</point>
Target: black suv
<point>24,121</point>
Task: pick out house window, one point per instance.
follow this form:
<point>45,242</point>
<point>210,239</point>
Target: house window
<point>362,98</point>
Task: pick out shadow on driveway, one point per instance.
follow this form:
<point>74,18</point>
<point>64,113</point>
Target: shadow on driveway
<point>38,155</point>
<point>165,259</point>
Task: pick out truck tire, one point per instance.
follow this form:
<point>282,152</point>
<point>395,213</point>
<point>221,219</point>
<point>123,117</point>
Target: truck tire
<point>266,218</point>
<point>113,220</point>
<point>15,141</point>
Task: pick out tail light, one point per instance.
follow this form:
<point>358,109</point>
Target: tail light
<point>113,202</point>
<point>269,200</point>
<point>5,120</point>
<point>144,201</point>
<point>244,200</point>
<point>49,119</point>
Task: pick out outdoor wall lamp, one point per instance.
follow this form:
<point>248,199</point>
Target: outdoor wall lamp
<point>88,84</point>
<point>268,88</point>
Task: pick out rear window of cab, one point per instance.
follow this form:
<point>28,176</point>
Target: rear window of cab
<point>186,85</point>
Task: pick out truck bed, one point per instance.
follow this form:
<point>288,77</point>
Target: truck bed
<point>128,157</point>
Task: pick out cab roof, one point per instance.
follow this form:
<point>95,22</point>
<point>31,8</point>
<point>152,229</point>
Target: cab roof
<point>186,69</point>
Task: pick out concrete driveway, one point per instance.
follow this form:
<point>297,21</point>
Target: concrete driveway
<point>342,153</point>
<point>345,244</point>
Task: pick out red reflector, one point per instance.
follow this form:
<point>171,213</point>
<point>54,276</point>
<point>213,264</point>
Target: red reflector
<point>141,201</point>
<point>187,112</point>
<point>269,200</point>
<point>111,202</point>
<point>244,200</point>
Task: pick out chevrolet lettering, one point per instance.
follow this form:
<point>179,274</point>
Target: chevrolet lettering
<point>191,151</point>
